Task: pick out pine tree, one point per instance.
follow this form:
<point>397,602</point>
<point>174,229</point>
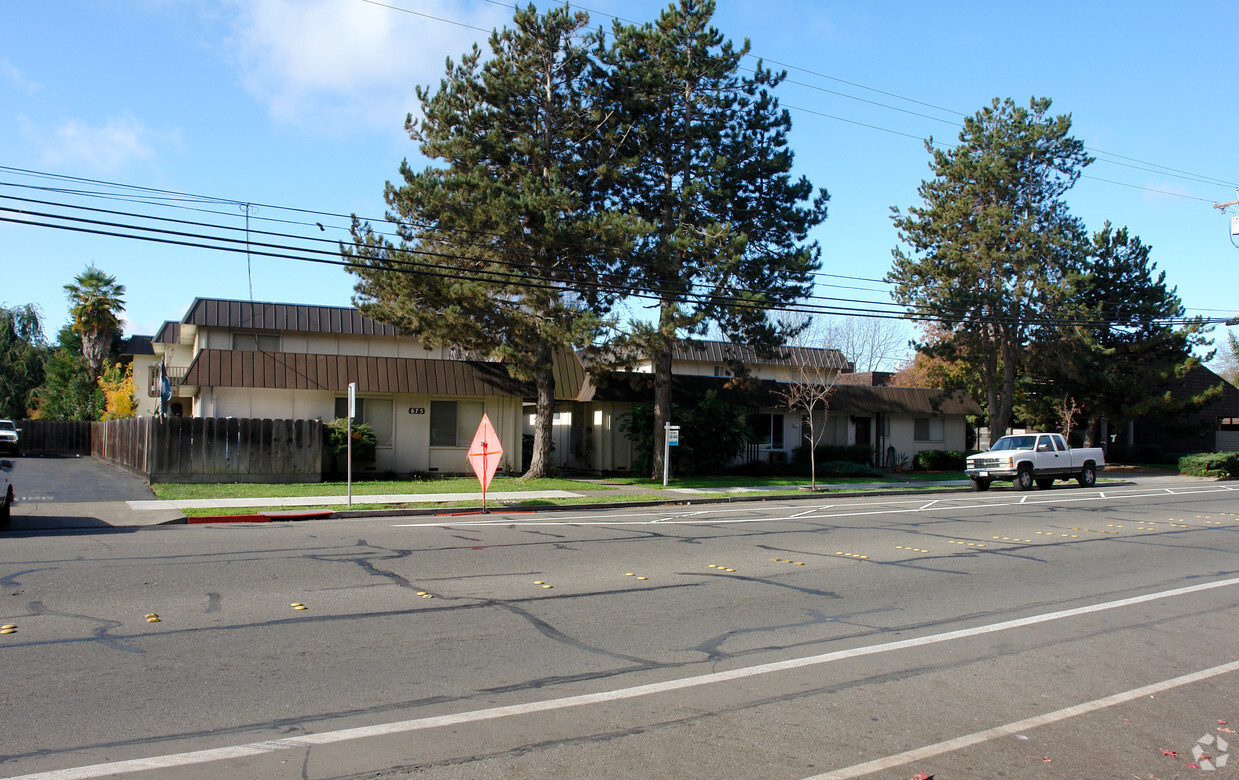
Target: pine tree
<point>1118,348</point>
<point>504,248</point>
<point>993,246</point>
<point>702,159</point>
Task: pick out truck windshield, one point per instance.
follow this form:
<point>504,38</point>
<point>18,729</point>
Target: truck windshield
<point>1015,443</point>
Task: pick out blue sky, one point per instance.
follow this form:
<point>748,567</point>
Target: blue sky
<point>300,104</point>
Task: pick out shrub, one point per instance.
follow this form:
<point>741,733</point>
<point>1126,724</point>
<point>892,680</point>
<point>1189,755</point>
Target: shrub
<point>335,444</point>
<point>855,453</point>
<point>846,468</point>
<point>1210,464</point>
<point>939,460</point>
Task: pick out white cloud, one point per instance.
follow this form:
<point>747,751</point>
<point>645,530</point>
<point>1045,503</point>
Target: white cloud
<point>105,148</point>
<point>12,74</point>
<point>340,63</point>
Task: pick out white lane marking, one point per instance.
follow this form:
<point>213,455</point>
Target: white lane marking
<point>929,751</point>
<point>475,716</point>
<point>926,506</point>
<point>802,514</point>
<point>689,518</point>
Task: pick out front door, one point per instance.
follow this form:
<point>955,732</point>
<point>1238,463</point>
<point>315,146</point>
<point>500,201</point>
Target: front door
<point>862,431</point>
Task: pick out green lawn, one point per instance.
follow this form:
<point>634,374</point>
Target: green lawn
<point>176,491</point>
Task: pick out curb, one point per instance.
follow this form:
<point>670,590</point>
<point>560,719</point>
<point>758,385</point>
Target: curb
<point>329,514</point>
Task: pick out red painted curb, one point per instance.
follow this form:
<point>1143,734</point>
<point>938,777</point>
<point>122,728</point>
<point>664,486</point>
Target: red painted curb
<point>227,519</point>
<point>261,517</point>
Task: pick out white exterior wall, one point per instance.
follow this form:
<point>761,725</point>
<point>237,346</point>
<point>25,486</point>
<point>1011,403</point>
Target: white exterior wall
<point>409,451</point>
<point>903,430</point>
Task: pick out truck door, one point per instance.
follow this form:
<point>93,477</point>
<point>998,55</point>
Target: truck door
<point>1047,458</point>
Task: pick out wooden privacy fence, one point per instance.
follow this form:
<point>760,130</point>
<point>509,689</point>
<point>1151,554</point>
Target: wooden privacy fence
<point>54,437</point>
<point>211,449</point>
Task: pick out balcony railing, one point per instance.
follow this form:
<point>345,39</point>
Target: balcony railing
<point>176,375</point>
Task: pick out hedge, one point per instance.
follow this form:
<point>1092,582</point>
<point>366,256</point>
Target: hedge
<point>1210,464</point>
<point>939,460</point>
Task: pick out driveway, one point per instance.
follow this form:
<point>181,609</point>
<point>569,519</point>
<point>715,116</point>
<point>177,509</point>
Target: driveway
<point>72,479</point>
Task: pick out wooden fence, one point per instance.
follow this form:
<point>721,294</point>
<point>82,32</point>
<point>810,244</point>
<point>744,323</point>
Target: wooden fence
<point>211,449</point>
<point>54,437</point>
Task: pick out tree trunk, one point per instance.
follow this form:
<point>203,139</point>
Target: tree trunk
<point>661,359</point>
<point>544,415</point>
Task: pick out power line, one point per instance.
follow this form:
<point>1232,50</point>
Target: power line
<point>523,275</point>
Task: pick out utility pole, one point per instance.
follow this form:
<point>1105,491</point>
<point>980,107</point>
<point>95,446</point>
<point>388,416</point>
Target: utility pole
<point>1234,219</point>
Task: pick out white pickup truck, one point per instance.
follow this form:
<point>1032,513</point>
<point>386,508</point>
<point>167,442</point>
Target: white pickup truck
<point>1034,458</point>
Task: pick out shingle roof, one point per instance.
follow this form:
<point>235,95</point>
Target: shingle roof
<point>637,387</point>
<point>137,345</point>
<point>213,312</point>
<point>308,371</point>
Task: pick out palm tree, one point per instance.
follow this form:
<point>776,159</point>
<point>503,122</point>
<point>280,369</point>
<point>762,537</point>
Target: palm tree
<point>96,300</point>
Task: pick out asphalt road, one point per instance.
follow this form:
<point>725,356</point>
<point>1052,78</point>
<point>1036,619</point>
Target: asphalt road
<point>1062,633</point>
<point>69,478</point>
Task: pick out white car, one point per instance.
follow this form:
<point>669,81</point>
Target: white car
<point>6,491</point>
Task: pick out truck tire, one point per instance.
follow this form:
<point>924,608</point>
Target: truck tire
<point>980,485</point>
<point>6,510</point>
<point>1024,477</point>
<point>1045,483</point>
<point>1087,476</point>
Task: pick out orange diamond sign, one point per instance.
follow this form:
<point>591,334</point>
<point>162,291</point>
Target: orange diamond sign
<point>484,454</point>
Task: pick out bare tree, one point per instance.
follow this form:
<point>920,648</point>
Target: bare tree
<point>1067,412</point>
<point>869,343</point>
<point>809,394</point>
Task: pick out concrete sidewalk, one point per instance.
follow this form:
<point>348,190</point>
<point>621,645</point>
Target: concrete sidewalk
<point>48,515</point>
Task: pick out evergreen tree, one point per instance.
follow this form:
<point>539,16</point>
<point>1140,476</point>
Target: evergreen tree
<point>96,301</point>
<point>1120,351</point>
<point>21,359</point>
<point>702,159</point>
<point>993,247</point>
<point>504,250</point>
<point>68,393</point>
<point>1227,365</point>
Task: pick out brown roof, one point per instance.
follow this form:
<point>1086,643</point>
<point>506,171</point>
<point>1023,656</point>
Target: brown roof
<point>308,371</point>
<point>212,312</point>
<point>137,345</point>
<point>637,387</point>
<point>169,333</point>
<point>901,400</point>
<point>865,378</point>
<point>722,351</point>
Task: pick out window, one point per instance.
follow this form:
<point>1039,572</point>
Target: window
<point>375,412</point>
<point>928,429</point>
<point>453,423</point>
<point>768,431</point>
<point>256,342</point>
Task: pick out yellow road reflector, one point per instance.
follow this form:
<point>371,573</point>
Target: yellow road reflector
<point>641,578</point>
<point>301,606</point>
<point>798,563</point>
<point>546,586</point>
<point>295,604</point>
<point>8,630</point>
<point>538,582</point>
<point>427,596</point>
<point>153,620</point>
<point>7,625</point>
<point>629,574</point>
